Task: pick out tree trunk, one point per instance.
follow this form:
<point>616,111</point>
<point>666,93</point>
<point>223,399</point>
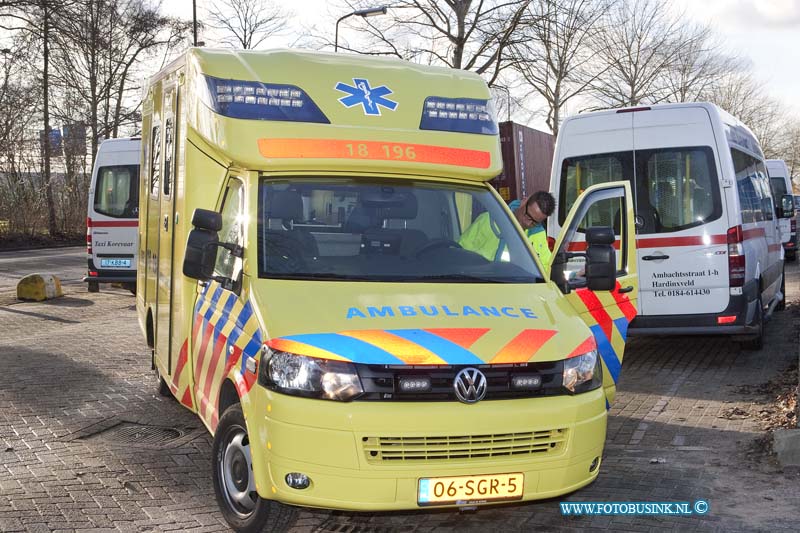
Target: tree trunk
<point>51,208</point>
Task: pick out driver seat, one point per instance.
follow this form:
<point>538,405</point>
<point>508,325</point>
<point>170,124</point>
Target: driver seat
<point>286,208</point>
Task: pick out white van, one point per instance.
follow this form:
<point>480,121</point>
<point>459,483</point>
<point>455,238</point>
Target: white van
<point>113,214</point>
<point>780,179</point>
<point>709,250</point>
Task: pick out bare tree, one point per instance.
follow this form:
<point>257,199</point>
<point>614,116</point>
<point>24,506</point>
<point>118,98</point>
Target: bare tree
<point>698,64</point>
<point>553,55</point>
<point>638,45</point>
<point>35,17</point>
<point>741,94</point>
<point>20,88</point>
<point>464,34</point>
<point>100,45</point>
<point>247,23</point>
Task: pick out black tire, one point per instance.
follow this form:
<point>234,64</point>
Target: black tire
<point>130,287</point>
<point>782,305</point>
<point>792,257</point>
<point>94,286</point>
<point>757,341</point>
<point>234,487</point>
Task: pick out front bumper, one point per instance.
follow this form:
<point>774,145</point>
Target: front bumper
<point>330,442</point>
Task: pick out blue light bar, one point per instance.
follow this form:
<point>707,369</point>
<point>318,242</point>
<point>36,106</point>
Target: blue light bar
<point>262,101</point>
<point>463,115</point>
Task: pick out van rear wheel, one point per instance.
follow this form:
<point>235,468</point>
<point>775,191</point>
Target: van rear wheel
<point>94,286</point>
<point>234,480</point>
<point>757,341</point>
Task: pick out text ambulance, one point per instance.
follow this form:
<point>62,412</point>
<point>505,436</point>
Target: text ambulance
<point>303,290</point>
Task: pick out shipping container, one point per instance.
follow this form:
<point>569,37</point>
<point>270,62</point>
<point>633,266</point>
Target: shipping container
<point>527,158</point>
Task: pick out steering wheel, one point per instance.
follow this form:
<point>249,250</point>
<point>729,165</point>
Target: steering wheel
<point>436,244</point>
<point>284,255</point>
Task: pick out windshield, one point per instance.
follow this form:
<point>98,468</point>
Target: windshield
<point>116,192</point>
<point>381,230</point>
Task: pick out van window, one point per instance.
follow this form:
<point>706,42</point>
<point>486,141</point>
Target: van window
<point>376,230</point>
<point>116,193</point>
<point>675,188</point>
<point>778,186</point>
<point>168,153</point>
<point>755,197</point>
<point>232,231</point>
<point>155,162</point>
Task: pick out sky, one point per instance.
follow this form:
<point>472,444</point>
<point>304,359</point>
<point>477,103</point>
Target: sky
<point>765,31</point>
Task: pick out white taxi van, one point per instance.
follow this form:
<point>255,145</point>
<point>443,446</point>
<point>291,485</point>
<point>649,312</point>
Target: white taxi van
<point>113,214</point>
<point>709,248</point>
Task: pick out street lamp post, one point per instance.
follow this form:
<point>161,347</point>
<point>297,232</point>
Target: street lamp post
<point>369,12</point>
<point>194,22</point>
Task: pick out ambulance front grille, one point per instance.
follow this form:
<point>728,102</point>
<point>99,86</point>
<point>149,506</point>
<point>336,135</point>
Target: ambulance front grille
<point>466,447</point>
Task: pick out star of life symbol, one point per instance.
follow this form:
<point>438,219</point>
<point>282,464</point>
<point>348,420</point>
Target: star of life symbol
<point>371,98</point>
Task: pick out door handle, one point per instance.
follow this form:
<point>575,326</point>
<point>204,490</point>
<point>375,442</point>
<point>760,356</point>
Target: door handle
<point>654,257</point>
<point>623,290</point>
<point>166,222</point>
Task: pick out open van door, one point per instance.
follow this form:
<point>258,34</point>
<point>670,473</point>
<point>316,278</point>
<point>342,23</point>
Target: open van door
<point>606,312</point>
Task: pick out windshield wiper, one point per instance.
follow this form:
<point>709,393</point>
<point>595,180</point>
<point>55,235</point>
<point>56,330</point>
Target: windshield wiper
<point>465,278</point>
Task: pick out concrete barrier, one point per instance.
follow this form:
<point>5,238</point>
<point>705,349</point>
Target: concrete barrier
<point>39,287</point>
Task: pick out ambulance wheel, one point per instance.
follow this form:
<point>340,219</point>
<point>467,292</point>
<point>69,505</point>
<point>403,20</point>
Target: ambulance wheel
<point>757,341</point>
<point>234,481</point>
<point>94,286</point>
<point>781,306</point>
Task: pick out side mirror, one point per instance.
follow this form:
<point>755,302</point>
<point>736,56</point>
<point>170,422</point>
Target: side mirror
<point>601,259</point>
<point>207,219</point>
<point>201,254</point>
<point>787,206</point>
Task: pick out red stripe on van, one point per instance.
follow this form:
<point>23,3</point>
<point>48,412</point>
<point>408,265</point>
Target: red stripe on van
<point>114,223</point>
<point>662,242</point>
<point>753,233</point>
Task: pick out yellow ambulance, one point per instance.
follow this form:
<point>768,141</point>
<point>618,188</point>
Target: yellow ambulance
<point>303,289</point>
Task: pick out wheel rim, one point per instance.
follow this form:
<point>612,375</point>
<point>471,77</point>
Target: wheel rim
<point>236,474</point>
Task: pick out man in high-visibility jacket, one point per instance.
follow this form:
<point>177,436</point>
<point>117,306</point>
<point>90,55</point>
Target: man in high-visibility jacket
<point>481,238</point>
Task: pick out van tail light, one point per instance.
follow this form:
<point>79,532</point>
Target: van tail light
<point>551,243</point>
<point>728,319</point>
<point>88,235</point>
<point>736,259</point>
<point>793,226</point>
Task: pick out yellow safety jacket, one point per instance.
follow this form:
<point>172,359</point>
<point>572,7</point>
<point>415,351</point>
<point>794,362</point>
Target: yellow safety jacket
<point>482,237</point>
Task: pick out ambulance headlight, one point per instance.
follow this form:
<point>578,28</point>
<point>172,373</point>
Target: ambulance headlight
<point>583,373</point>
<point>310,377</point>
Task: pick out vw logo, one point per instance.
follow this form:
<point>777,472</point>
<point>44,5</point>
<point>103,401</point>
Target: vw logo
<point>470,385</point>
